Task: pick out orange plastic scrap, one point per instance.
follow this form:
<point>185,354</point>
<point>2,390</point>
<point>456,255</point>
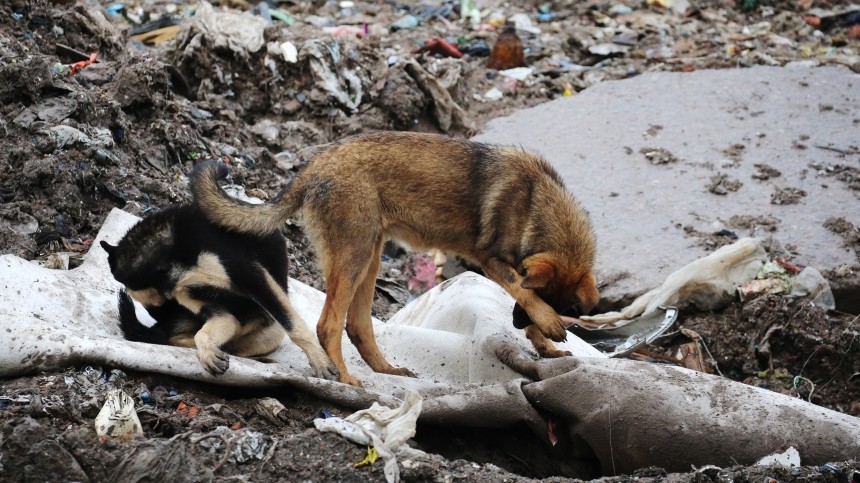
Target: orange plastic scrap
<point>188,410</point>
<point>77,66</point>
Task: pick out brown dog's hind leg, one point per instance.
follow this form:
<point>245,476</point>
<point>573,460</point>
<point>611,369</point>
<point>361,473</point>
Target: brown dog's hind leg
<point>544,346</point>
<point>216,332</point>
<point>359,324</point>
<point>339,293</point>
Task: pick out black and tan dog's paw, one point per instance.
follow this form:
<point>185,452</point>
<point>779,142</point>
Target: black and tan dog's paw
<point>214,360</point>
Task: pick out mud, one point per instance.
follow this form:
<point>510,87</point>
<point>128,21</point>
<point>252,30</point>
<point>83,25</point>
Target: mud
<point>787,196</point>
<point>722,184</point>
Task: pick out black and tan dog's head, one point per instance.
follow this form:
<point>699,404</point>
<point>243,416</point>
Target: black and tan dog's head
<point>142,259</point>
<point>567,285</point>
<point>142,281</point>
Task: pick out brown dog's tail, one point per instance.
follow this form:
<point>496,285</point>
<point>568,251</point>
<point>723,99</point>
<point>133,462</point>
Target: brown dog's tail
<point>236,215</point>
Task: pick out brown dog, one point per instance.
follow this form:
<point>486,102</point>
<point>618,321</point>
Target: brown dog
<point>505,209</point>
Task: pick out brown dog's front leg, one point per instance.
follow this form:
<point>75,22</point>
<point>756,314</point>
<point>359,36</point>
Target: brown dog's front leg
<point>542,315</point>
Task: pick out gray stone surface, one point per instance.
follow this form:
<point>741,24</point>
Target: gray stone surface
<point>783,117</point>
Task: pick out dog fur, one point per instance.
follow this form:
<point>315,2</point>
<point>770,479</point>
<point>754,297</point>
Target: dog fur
<point>209,288</point>
<point>504,209</point>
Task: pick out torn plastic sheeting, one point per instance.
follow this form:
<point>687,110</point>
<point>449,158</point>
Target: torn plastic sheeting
<point>330,75</point>
<point>240,33</point>
<point>244,445</point>
<point>449,115</point>
<point>707,283</point>
<point>64,136</point>
<point>384,428</point>
<point>624,339</point>
<point>636,414</point>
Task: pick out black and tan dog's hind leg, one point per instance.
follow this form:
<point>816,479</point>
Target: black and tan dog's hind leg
<point>273,298</point>
<point>257,342</point>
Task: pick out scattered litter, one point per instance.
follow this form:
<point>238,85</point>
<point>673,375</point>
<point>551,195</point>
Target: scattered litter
<point>441,47</point>
<point>469,10</point>
<point>786,459</point>
<point>240,33</point>
<point>707,283</point>
<point>518,73</point>
<point>385,430</point>
<point>448,113</point>
<point>407,22</point>
<point>118,417</point>
<point>810,283</point>
<point>507,52</point>
<point>372,456</point>
<point>271,409</point>
<point>493,94</point>
<point>187,410</point>
<point>238,446</point>
<point>523,23</point>
<point>64,136</point>
<point>330,74</point>
<point>624,338</point>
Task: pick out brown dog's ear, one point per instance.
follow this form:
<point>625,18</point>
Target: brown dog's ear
<point>539,271</point>
<point>108,247</point>
<point>587,293</point>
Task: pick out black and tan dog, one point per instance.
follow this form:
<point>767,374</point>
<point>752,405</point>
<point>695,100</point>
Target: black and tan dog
<point>504,209</point>
<point>209,288</point>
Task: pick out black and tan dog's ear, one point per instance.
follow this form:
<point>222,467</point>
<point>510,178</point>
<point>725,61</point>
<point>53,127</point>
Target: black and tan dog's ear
<point>587,293</point>
<point>538,271</point>
<point>108,247</point>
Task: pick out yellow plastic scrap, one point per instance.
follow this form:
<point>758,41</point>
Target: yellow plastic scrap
<point>806,51</point>
<point>371,457</point>
<point>157,36</point>
<point>660,3</point>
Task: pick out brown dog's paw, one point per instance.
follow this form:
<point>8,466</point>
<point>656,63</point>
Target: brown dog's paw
<point>554,330</point>
<point>214,360</point>
<point>347,379</point>
<point>399,371</point>
<point>553,353</point>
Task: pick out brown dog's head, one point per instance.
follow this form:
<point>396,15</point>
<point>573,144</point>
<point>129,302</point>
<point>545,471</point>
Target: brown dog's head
<point>564,285</point>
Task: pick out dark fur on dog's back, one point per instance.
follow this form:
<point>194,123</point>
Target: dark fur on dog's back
<point>178,235</point>
<point>504,209</point>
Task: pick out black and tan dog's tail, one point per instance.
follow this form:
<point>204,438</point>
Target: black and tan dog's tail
<point>132,328</point>
<point>237,215</point>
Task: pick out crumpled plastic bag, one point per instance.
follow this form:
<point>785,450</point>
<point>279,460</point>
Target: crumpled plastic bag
<point>330,73</point>
<point>118,417</point>
<point>448,113</point>
<point>240,33</point>
<point>384,428</point>
<point>708,283</point>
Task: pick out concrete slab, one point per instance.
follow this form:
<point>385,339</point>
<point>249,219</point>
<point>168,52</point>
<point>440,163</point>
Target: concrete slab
<point>642,155</point>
